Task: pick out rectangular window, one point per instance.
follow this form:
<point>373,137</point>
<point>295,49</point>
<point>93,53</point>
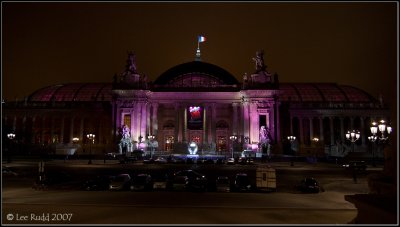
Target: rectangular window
<point>127,120</point>
<point>263,121</point>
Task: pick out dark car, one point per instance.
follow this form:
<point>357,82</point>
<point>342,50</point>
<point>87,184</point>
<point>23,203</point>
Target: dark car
<point>142,182</point>
<point>120,182</point>
<point>245,161</point>
<point>360,166</point>
<point>191,180</point>
<point>148,160</point>
<point>242,182</point>
<point>97,184</point>
<point>223,184</point>
<point>309,185</point>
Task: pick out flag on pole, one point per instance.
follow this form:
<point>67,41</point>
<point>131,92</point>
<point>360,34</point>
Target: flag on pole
<point>202,39</point>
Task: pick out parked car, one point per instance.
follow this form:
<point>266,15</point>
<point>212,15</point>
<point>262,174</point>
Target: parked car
<point>142,182</point>
<point>242,182</point>
<point>246,161</point>
<point>148,161</point>
<point>223,184</point>
<point>98,183</point>
<point>160,160</point>
<point>309,185</point>
<point>190,179</point>
<point>120,182</point>
<point>231,161</point>
<point>179,183</point>
<point>7,171</point>
<point>357,165</point>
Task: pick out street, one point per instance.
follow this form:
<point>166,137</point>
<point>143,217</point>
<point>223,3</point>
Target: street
<point>286,206</point>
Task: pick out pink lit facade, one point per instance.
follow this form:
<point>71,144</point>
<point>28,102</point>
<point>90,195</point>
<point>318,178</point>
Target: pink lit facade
<point>194,101</point>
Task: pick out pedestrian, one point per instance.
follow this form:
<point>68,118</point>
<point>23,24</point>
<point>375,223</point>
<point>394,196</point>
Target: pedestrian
<point>355,175</point>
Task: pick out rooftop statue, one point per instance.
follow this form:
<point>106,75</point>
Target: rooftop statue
<point>131,63</point>
<point>259,59</point>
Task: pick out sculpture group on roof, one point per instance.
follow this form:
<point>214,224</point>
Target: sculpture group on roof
<point>131,63</point>
<point>259,59</point>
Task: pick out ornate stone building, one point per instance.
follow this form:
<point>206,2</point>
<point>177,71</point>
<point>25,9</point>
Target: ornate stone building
<point>195,101</point>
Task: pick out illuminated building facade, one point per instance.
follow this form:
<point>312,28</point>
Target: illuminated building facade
<point>194,101</point>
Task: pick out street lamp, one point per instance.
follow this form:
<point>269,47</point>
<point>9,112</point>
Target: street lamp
<point>151,138</point>
<point>91,137</point>
<point>353,136</point>
<point>11,137</point>
<point>315,140</point>
<point>384,131</point>
<point>291,139</point>
<point>232,138</point>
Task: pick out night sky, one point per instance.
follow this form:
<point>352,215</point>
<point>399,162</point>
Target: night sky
<point>54,43</point>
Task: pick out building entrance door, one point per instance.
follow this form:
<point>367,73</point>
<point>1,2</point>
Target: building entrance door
<point>196,136</point>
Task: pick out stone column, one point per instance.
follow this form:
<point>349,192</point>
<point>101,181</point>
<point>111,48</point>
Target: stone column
<point>138,119</point>
<point>352,123</point>
<point>62,130</point>
<point>176,123</point>
<point>155,119</point>
<point>301,130</point>
<point>213,123</point>
<point>42,130</point>
<point>277,124</point>
<point>209,122</point>
<point>254,123</point>
<point>332,132</point>
<point>205,127</point>
<point>52,129</point>
<point>71,129</point>
<point>342,136</point>
<point>24,124</point>
<point>33,130</point>
<point>132,113</point>
<point>311,128</point>
<point>100,138</point>
<point>15,123</point>
<point>291,125</point>
<point>149,127</point>
<point>234,119</point>
<point>184,134</point>
<point>362,132</point>
<point>246,120</point>
<point>321,130</point>
<point>143,125</point>
<point>81,136</point>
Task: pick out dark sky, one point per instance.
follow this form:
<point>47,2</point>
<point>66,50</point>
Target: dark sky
<point>53,43</point>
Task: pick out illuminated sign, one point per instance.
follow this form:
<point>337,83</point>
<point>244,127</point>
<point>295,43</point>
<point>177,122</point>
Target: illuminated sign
<point>195,118</point>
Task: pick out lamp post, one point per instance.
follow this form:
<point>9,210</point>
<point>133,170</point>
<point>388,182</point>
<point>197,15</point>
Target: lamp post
<point>353,136</point>
<point>91,137</point>
<point>151,138</point>
<point>11,137</point>
<point>75,140</point>
<point>232,138</point>
<point>291,139</point>
<point>315,141</point>
<point>384,130</point>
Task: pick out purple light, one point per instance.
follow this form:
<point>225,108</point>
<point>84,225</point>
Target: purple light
<point>194,108</point>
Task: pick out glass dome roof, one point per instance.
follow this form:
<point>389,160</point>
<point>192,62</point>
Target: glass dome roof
<point>73,92</point>
<point>322,92</point>
<point>295,92</point>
